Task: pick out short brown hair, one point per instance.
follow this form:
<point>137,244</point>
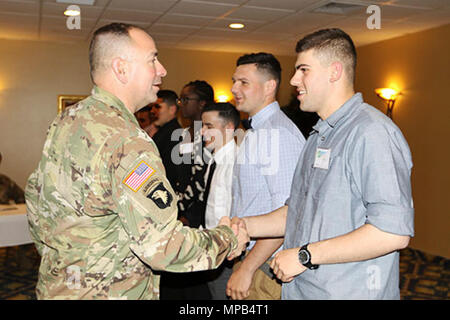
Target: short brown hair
<point>334,43</point>
<point>107,41</point>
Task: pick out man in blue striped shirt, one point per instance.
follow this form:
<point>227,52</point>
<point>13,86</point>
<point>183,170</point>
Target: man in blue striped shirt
<point>263,170</point>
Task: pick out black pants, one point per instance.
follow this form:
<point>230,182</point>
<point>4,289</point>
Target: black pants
<point>184,286</point>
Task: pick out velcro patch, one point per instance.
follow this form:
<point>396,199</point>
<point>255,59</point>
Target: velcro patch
<point>161,196</point>
<point>136,178</point>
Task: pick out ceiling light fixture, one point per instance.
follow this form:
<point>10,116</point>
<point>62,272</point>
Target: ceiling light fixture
<point>71,12</point>
<point>334,7</point>
<point>236,25</point>
<point>82,2</point>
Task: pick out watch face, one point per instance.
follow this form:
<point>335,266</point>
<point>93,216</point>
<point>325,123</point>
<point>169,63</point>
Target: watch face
<point>303,256</point>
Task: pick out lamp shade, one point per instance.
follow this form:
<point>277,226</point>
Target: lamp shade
<point>387,93</point>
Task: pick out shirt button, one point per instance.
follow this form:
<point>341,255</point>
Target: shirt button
<point>322,138</point>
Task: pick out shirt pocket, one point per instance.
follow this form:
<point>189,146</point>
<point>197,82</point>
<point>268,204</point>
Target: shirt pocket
<point>331,183</point>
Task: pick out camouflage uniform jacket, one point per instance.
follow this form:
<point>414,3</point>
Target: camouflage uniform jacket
<point>100,230</point>
<point>10,191</point>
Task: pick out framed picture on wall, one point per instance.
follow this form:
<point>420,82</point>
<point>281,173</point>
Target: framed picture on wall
<point>65,100</point>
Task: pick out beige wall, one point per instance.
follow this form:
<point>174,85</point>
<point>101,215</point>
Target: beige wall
<point>418,65</point>
<point>32,74</point>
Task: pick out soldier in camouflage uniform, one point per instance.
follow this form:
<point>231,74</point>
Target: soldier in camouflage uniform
<point>101,211</point>
<point>9,190</point>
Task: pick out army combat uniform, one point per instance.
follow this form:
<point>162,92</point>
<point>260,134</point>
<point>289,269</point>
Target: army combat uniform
<point>102,213</point>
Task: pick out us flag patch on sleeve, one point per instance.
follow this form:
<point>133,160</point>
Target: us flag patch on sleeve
<point>138,176</point>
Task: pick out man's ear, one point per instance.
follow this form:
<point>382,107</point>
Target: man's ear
<point>120,69</point>
<point>173,109</point>
<point>202,104</point>
<point>229,131</point>
<point>229,125</point>
<point>336,69</point>
<point>270,87</point>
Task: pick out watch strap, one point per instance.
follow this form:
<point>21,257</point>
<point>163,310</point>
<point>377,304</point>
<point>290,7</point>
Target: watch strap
<point>308,263</point>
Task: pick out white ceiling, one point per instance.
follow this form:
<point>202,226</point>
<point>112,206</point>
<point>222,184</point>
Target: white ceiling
<point>271,25</point>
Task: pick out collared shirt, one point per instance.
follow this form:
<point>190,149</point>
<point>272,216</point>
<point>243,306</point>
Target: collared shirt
<point>355,170</point>
<point>102,213</point>
<point>219,199</point>
<point>265,164</point>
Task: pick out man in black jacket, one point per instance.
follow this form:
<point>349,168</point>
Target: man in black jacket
<point>165,110</point>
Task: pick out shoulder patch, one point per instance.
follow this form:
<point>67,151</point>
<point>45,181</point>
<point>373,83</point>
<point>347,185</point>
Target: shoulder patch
<point>161,196</point>
<point>136,178</point>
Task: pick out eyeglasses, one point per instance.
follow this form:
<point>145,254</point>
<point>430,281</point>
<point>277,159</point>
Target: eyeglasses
<point>183,100</point>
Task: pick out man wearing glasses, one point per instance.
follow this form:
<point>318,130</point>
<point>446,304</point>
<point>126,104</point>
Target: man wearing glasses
<point>193,98</point>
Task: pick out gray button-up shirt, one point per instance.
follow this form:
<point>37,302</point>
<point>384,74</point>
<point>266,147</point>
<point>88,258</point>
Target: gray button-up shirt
<point>355,169</point>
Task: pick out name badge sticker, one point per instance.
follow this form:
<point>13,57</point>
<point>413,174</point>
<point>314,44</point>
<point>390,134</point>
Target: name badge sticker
<point>322,159</point>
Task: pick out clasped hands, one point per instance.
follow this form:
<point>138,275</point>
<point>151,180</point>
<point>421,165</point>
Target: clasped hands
<point>240,231</point>
<point>285,264</point>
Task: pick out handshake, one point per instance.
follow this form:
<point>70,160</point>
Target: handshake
<point>240,231</point>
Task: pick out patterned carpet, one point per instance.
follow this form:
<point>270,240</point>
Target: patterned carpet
<point>18,272</point>
<point>422,276</point>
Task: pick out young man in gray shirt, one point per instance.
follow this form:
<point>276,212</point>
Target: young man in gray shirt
<point>350,208</point>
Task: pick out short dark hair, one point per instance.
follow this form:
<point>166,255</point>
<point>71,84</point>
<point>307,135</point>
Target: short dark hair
<point>203,89</point>
<point>265,62</point>
<point>106,40</point>
<point>169,97</point>
<point>227,112</point>
<point>332,42</point>
<point>147,108</point>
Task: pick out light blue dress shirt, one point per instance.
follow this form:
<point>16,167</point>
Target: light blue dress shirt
<point>355,169</point>
<point>265,163</point>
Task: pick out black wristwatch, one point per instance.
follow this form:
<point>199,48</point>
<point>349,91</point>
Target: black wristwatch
<point>304,256</point>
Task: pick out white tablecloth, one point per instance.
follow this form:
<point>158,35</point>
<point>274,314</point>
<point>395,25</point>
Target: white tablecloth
<point>14,225</point>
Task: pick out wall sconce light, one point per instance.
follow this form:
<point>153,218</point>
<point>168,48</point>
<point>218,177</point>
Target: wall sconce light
<point>223,98</point>
<point>221,94</point>
<point>389,95</point>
